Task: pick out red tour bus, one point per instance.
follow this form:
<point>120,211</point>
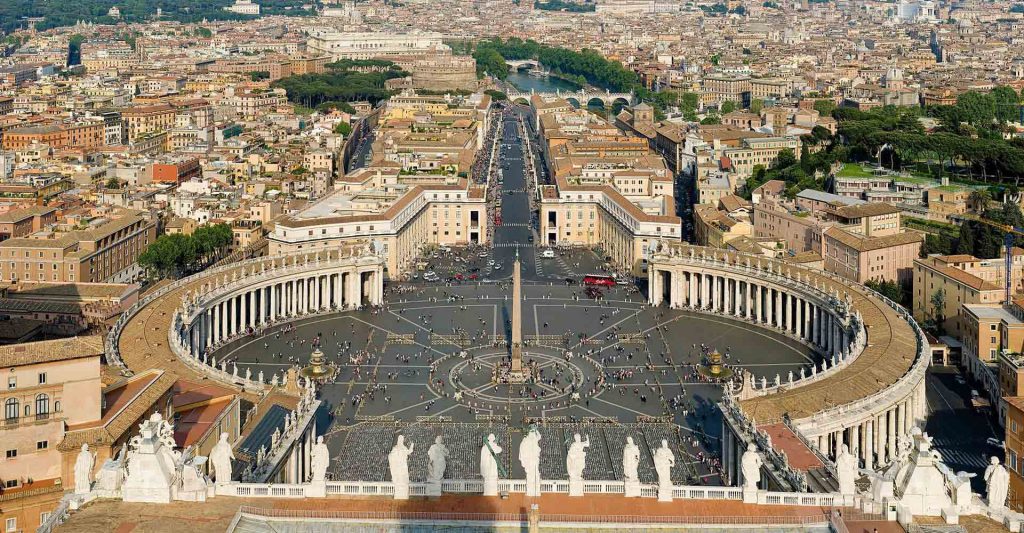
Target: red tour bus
<point>599,280</point>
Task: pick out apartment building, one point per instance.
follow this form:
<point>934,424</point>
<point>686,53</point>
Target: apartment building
<point>21,222</point>
<point>58,136</point>
<point>105,252</point>
<point>146,119</point>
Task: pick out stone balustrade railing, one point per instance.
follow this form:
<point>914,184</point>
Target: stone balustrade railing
<point>743,424</point>
<point>836,416</point>
<point>386,488</point>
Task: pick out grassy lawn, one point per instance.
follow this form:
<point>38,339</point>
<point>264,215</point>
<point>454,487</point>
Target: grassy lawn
<point>852,170</point>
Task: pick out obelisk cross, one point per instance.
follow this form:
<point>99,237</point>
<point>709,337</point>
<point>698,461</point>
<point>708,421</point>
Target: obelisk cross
<point>517,317</point>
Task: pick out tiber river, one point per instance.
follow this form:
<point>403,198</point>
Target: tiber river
<point>549,84</point>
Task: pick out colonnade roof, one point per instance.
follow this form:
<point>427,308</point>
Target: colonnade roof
<point>888,355</point>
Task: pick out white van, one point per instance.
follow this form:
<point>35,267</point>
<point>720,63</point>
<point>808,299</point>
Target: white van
<point>548,254</point>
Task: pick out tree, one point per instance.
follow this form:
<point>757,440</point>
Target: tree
<point>711,120</point>
<point>785,159</point>
<point>978,200</point>
<point>688,103</point>
<point>728,106</point>
<point>343,128</point>
<point>756,105</point>
<point>938,304</point>
<point>824,107</point>
<point>1007,103</point>
<point>979,108</point>
<point>890,289</point>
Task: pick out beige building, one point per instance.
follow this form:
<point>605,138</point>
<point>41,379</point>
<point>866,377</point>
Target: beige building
<point>48,387</point>
<point>861,258</point>
<point>106,252</point>
<point>962,279</point>
<point>402,213</point>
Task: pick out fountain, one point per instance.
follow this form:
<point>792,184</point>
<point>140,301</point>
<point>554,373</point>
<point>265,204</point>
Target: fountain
<point>317,369</point>
<point>712,367</point>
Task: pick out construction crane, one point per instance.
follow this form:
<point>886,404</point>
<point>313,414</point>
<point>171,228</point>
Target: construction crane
<point>1009,235</point>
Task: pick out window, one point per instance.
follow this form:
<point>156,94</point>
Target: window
<point>42,405</point>
<point>11,524</point>
<point>11,409</point>
<point>42,378</point>
<point>43,517</point>
<point>42,445</point>
<point>12,382</point>
<point>11,454</point>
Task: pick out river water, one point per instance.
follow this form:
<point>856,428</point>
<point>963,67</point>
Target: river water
<point>549,84</point>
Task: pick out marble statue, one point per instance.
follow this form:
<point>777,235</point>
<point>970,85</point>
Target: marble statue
<point>630,460</point>
<point>319,459</point>
<point>529,457</point>
<point>750,465</point>
<point>847,468</point>
<point>221,457</point>
<point>398,464</point>
<point>83,470</point>
<point>664,460</point>
<point>438,455</point>
<point>997,481</point>
<point>111,474</point>
<point>489,465</point>
<point>576,459</point>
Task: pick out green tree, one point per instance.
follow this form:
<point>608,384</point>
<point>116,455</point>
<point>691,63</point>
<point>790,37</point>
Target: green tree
<point>979,108</point>
<point>1007,104</point>
<point>938,308</point>
<point>891,289</point>
<point>728,107</point>
<point>824,107</point>
<point>343,128</point>
<point>756,105</point>
<point>688,103</point>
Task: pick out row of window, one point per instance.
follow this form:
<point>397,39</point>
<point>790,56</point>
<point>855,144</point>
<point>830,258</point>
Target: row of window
<point>12,381</point>
<point>42,401</point>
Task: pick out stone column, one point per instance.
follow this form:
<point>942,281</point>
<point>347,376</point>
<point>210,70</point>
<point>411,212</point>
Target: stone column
<point>869,443</point>
<point>880,439</point>
<point>273,301</point>
<point>758,303</point>
<point>738,287</point>
<point>855,440</point>
<point>778,308</point>
<point>715,298</point>
<point>891,438</point>
<point>693,295</point>
<point>725,298</point>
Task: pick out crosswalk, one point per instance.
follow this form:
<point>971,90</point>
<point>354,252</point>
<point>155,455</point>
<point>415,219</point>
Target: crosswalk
<point>511,244</point>
<point>959,454</point>
<point>514,225</point>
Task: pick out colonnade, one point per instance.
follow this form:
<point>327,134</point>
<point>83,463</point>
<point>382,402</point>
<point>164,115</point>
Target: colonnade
<point>278,294</point>
<point>877,437</point>
<point>764,302</point>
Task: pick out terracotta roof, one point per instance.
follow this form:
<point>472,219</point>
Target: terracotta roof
<point>48,351</point>
<point>867,210</point>
<point>866,244</point>
<point>142,392</point>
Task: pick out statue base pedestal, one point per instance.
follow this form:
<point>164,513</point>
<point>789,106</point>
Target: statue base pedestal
<point>665,494</point>
<point>401,492</point>
<point>433,488</point>
<point>576,488</point>
<point>516,376</point>
<point>749,495</point>
<point>491,487</point>
<point>632,489</point>
<point>316,489</point>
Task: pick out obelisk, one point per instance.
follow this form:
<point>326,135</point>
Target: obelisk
<point>517,322</point>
